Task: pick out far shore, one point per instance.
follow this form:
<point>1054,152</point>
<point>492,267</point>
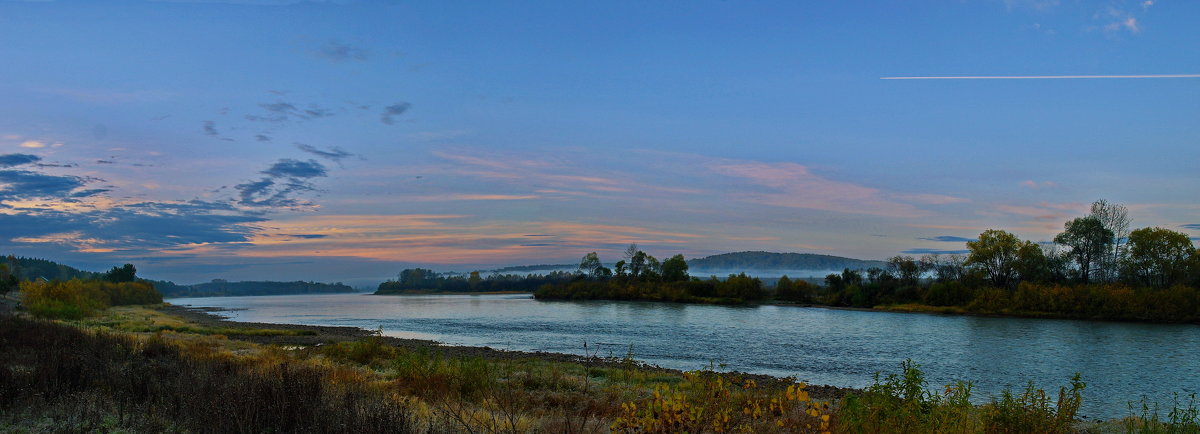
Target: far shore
<point>433,292</point>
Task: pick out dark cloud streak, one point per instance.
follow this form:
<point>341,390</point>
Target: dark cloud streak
<point>935,252</point>
<point>948,239</point>
<point>285,179</point>
<point>334,154</point>
<point>338,52</point>
<point>13,160</point>
<point>390,112</point>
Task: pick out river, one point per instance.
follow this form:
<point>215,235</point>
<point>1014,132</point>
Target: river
<point>1119,361</point>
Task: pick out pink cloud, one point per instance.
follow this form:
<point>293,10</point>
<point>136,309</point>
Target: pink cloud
<point>796,187</point>
<point>468,196</point>
<point>1034,185</point>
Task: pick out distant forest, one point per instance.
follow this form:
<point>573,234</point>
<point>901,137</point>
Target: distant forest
<point>28,269</point>
<point>218,288</point>
<point>420,280</point>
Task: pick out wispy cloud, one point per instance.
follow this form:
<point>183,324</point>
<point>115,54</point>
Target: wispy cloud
<point>210,128</point>
<point>38,144</point>
<point>451,239</point>
<point>392,111</point>
<point>283,111</point>
<point>334,153</point>
<point>468,196</point>
<point>947,239</point>
<point>336,51</point>
<point>1121,20</point>
<point>107,96</point>
<point>794,185</point>
<point>935,252</point>
<point>1034,185</point>
<point>285,179</point>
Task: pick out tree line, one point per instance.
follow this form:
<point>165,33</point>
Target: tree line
<point>1095,268</point>
<point>641,276</point>
<point>418,280</point>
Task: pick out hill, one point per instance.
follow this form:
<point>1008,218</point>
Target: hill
<point>769,261</point>
<point>34,268</point>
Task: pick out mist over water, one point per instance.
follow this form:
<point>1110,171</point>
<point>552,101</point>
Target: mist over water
<point>1119,361</point>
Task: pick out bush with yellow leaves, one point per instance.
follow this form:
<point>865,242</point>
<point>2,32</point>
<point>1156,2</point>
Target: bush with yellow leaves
<point>707,401</point>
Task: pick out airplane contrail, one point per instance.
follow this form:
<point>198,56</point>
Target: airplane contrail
<point>1038,77</point>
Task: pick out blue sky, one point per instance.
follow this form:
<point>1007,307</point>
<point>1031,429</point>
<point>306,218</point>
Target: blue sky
<point>345,140</point>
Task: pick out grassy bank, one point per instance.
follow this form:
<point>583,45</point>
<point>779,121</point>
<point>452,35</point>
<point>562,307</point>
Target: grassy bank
<point>151,368</point>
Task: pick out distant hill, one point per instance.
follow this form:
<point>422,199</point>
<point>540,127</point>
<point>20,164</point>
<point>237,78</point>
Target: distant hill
<point>528,268</point>
<point>769,261</point>
<point>34,269</point>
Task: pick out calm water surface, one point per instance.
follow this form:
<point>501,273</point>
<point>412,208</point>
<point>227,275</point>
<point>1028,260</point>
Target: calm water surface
<point>1119,361</point>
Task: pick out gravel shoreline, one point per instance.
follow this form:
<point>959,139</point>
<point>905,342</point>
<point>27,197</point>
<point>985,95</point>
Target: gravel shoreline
<point>209,317</point>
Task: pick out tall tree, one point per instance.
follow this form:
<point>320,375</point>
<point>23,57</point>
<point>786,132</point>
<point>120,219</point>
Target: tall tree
<point>996,253</point>
<point>630,250</point>
<point>675,269</point>
<point>1115,218</point>
<point>124,273</point>
<point>1031,263</point>
<point>906,269</point>
<point>8,280</point>
<point>1088,241</point>
<point>590,265</point>
<point>1158,257</point>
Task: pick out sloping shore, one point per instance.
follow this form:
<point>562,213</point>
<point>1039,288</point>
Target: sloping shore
<point>209,317</point>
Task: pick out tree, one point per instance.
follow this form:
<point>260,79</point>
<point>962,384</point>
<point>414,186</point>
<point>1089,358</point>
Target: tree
<point>8,280</point>
<point>621,271</point>
<point>643,266</point>
<point>675,269</point>
<point>1088,240</point>
<point>1031,265</point>
<point>630,250</point>
<point>996,253</point>
<point>1058,265</point>
<point>1158,257</point>
<point>125,273</point>
<point>906,269</point>
<point>590,265</point>
<point>948,268</point>
<point>793,290</point>
<point>1115,218</point>
<point>474,280</point>
<point>418,278</point>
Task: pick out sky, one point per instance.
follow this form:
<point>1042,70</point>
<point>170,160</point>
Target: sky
<point>346,140</point>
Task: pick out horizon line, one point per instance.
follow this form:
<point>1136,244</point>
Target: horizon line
<point>1038,77</point>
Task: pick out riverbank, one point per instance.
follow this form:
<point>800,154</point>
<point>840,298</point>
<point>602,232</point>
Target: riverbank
<point>195,355</point>
<point>323,335</point>
<point>139,363</point>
